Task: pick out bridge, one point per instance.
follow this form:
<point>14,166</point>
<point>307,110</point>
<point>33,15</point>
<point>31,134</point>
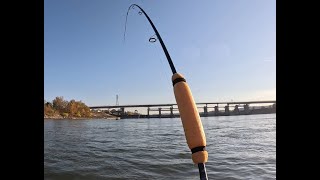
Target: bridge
<point>219,109</point>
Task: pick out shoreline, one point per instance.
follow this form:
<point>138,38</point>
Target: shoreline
<point>140,117</point>
<point>106,118</point>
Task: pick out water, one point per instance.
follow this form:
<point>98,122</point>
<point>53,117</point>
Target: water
<point>239,147</point>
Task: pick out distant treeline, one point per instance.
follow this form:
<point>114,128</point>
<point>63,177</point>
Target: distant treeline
<point>66,109</point>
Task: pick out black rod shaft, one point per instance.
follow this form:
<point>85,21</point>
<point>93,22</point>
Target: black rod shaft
<point>173,69</point>
<point>202,171</point>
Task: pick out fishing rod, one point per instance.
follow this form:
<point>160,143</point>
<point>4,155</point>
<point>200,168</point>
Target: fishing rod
<point>189,114</point>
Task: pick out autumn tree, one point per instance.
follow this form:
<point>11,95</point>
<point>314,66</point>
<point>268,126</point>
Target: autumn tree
<point>83,109</point>
<point>66,109</point>
<point>48,109</point>
<point>77,109</point>
<point>59,104</point>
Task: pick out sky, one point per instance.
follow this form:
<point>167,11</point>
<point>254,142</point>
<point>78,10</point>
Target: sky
<point>225,49</point>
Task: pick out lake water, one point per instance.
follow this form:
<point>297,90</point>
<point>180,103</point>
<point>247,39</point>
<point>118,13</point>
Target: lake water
<point>239,147</point>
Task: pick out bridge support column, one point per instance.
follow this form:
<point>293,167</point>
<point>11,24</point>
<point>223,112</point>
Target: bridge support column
<point>216,110</point>
<point>246,108</point>
<point>226,110</point>
<point>205,111</point>
<point>148,112</point>
<point>171,111</point>
<point>159,112</point>
<point>274,108</point>
<point>122,111</point>
<point>236,110</point>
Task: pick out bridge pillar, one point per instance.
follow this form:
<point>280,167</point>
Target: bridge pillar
<point>171,111</point>
<point>205,110</point>
<point>216,110</point>
<point>274,109</point>
<point>236,110</point>
<point>226,110</point>
<point>246,108</point>
<point>122,110</point>
<point>148,112</point>
<point>159,112</point>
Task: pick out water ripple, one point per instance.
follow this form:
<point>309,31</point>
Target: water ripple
<point>239,147</point>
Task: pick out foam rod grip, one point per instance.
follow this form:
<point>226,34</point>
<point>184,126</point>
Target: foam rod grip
<point>190,118</point>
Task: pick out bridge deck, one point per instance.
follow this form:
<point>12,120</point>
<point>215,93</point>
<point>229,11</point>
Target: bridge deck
<point>161,105</point>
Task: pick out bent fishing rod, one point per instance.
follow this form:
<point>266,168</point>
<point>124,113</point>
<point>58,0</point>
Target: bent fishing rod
<point>189,114</point>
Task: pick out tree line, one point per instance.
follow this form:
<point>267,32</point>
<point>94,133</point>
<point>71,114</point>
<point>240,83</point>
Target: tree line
<point>66,109</point>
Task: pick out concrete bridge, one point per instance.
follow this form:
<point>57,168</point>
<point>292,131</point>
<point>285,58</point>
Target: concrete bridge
<point>218,109</point>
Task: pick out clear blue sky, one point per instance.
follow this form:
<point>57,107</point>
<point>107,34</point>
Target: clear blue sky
<point>226,49</point>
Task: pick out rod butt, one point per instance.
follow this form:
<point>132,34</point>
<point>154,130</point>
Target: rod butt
<point>202,171</point>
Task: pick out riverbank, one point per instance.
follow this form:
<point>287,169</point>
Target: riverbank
<point>94,115</point>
